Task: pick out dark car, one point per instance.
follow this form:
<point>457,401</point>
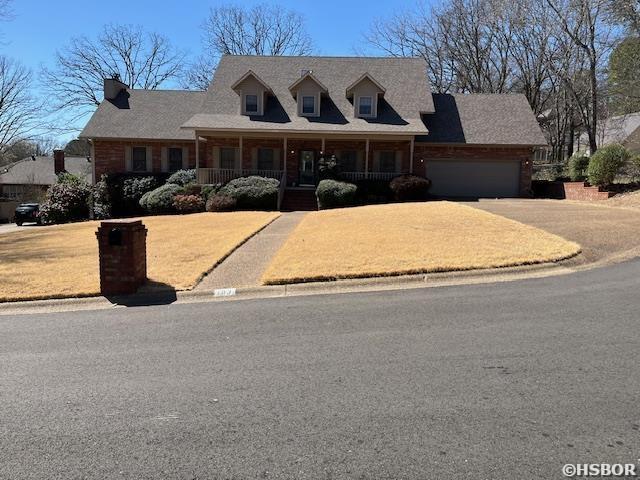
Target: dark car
<point>27,212</point>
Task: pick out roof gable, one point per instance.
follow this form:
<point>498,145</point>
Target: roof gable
<point>248,76</point>
<point>307,78</point>
<point>365,77</point>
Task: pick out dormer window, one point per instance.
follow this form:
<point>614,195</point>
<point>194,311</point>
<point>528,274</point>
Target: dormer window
<point>308,105</point>
<point>308,92</point>
<point>253,92</point>
<point>251,103</point>
<point>365,106</point>
<point>365,93</point>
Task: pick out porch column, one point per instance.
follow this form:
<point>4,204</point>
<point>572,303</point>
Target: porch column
<point>411,155</point>
<point>322,148</point>
<point>366,159</point>
<point>241,156</point>
<point>197,158</point>
<point>285,157</point>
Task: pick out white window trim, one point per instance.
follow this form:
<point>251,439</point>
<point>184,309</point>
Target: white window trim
<point>260,102</point>
<point>316,105</point>
<point>374,106</point>
<point>148,159</point>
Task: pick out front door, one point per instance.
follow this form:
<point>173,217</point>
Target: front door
<point>307,168</point>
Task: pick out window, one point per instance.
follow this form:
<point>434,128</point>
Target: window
<point>388,162</point>
<point>308,105</point>
<point>251,104</point>
<point>265,159</point>
<point>228,158</point>
<point>139,159</point>
<point>365,106</point>
<point>348,160</point>
<point>175,159</point>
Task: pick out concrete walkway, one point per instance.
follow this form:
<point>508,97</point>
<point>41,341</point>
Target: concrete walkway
<point>245,266</point>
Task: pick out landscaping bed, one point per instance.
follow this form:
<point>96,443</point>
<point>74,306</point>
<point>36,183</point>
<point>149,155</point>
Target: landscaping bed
<point>62,261</point>
<point>409,238</point>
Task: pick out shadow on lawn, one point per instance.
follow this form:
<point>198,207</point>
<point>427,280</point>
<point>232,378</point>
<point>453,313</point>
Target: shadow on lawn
<point>151,293</point>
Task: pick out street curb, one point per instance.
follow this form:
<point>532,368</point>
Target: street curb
<point>167,297</point>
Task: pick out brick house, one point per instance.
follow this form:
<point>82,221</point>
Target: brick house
<point>276,116</point>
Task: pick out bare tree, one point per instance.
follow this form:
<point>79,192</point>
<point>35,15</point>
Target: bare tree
<point>19,110</point>
<point>627,13</point>
<point>236,30</point>
<point>141,60</point>
<point>584,40</point>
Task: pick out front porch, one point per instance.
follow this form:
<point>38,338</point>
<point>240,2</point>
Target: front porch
<point>295,160</point>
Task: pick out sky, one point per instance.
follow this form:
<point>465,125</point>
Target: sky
<point>40,27</point>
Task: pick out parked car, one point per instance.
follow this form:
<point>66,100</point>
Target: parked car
<point>27,212</point>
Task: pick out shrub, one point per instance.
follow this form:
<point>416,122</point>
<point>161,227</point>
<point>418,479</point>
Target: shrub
<point>373,191</point>
<point>67,200</point>
<point>578,165</point>
<point>188,203</point>
<point>605,164</point>
<point>160,200</point>
<point>253,193</point>
<point>407,188</point>
<point>221,203</point>
<point>121,192</point>
<point>101,200</point>
<point>183,177</point>
<point>332,194</point>
<point>328,168</point>
<point>210,189</point>
<point>634,167</point>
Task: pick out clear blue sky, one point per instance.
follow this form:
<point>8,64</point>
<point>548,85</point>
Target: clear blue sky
<point>40,27</point>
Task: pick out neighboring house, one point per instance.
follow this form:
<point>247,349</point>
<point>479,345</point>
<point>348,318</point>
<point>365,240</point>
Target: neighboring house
<point>276,116</point>
<point>622,129</point>
<point>28,179</point>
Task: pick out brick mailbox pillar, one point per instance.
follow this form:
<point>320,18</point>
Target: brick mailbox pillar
<point>123,256</point>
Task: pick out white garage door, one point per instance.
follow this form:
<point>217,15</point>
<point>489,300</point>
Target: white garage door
<point>481,178</point>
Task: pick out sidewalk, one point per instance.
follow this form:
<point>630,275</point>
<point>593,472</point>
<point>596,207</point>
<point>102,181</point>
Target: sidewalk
<point>244,267</point>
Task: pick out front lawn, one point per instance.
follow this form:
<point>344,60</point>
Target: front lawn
<point>62,260</point>
<point>408,238</point>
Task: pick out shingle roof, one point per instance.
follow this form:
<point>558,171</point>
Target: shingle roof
<point>616,129</point>
<point>407,95</point>
<point>145,114</point>
<point>41,172</point>
<point>482,119</point>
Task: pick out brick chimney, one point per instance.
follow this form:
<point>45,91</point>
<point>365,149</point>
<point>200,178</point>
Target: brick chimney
<point>58,161</point>
<point>113,87</point>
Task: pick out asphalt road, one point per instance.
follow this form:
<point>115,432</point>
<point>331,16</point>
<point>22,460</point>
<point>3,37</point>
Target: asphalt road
<point>509,380</point>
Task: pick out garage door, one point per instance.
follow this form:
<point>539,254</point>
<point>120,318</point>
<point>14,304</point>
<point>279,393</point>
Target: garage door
<point>481,178</point>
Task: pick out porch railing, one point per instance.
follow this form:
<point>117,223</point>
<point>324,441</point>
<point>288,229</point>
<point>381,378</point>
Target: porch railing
<point>224,175</point>
<point>355,176</point>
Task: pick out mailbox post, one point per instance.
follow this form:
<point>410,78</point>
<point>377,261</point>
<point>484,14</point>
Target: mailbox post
<point>122,248</point>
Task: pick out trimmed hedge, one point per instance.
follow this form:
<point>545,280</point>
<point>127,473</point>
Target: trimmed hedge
<point>253,193</point>
<point>578,166</point>
<point>605,164</point>
<point>221,203</point>
<point>373,191</point>
<point>408,188</point>
<point>119,194</point>
<point>210,189</point>
<point>188,203</point>
<point>334,194</point>
<point>161,199</point>
<point>182,177</point>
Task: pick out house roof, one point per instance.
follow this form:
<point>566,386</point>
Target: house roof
<point>145,114</point>
<point>407,95</point>
<point>41,170</point>
<point>482,119</point>
<point>617,129</point>
<point>309,75</point>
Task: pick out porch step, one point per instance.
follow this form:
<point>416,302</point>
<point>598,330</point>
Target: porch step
<point>299,200</point>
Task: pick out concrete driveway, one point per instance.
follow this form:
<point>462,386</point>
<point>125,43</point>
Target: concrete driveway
<point>605,233</point>
<point>12,227</point>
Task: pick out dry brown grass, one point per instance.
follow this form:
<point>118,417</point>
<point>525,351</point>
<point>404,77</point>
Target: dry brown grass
<point>62,261</point>
<point>408,238</point>
<point>630,200</point>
